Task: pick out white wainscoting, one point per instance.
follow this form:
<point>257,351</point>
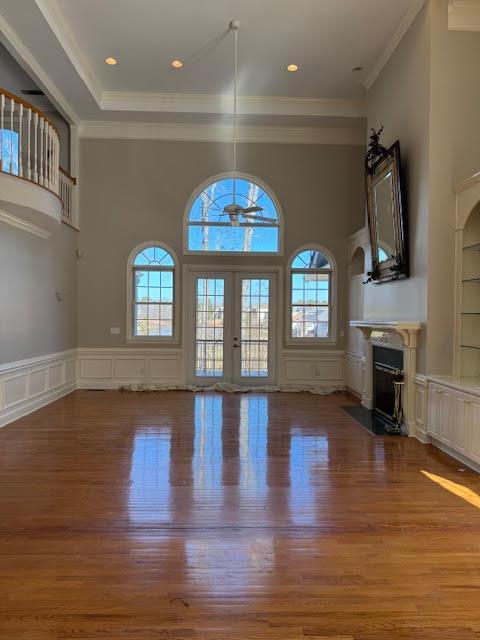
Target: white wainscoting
<point>113,368</point>
<point>319,368</point>
<point>27,385</point>
<point>354,371</point>
<point>420,385</point>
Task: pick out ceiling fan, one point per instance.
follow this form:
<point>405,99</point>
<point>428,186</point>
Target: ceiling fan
<point>234,210</point>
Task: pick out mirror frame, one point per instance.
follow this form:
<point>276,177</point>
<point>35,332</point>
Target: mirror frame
<point>377,162</point>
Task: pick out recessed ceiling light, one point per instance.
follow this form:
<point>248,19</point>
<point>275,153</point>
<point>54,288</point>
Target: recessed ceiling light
<point>177,64</point>
<point>111,61</point>
<point>292,67</point>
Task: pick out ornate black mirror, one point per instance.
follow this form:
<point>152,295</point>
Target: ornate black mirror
<point>385,212</point>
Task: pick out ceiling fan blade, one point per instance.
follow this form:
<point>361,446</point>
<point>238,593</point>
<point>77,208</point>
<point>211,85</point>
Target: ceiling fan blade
<point>259,218</point>
<point>252,209</point>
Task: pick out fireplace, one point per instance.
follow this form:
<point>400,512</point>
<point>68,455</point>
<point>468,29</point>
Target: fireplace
<point>387,387</point>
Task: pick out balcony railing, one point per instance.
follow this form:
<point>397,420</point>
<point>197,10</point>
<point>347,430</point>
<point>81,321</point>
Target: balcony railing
<point>67,196</point>
<point>30,149</point>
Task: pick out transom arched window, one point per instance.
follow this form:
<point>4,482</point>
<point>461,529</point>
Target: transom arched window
<point>253,226</point>
<point>311,295</point>
<point>151,293</point>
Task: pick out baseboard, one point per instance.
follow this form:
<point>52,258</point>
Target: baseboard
<point>457,456</point>
<point>31,406</point>
<point>353,392</point>
<point>421,434</point>
<point>27,385</point>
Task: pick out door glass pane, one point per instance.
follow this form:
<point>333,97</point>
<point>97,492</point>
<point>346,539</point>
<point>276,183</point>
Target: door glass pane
<point>210,312</point>
<point>254,327</point>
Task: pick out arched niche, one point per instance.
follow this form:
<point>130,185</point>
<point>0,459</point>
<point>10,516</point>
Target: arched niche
<point>357,264</point>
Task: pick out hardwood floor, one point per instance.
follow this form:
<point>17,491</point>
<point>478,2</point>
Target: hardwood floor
<point>210,516</point>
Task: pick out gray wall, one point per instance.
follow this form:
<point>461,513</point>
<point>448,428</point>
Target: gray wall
<point>400,101</point>
<point>32,321</point>
<point>134,191</point>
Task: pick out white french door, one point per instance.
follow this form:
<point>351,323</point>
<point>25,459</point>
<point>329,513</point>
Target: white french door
<point>232,327</point>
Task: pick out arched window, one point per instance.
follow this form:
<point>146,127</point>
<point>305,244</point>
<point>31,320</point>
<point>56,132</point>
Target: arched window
<point>151,293</point>
<point>251,223</point>
<point>311,295</point>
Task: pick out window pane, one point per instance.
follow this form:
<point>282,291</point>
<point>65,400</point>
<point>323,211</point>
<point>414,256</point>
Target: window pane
<point>310,259</point>
<point>254,327</point>
<point>9,151</point>
<point>209,329</point>
<point>154,256</point>
<point>310,311</point>
<point>234,239</point>
<point>240,236</point>
<point>153,296</point>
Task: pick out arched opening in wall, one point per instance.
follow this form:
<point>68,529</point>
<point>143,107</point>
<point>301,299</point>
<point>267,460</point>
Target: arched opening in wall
<point>470,296</point>
<point>357,264</point>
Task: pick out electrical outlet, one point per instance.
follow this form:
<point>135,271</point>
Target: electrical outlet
<point>115,331</point>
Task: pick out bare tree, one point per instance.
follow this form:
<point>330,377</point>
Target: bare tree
<point>252,197</point>
<point>206,203</point>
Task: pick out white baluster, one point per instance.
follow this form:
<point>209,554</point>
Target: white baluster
<point>12,108</point>
<point>40,151</point>
<point>47,155</point>
<point>2,110</point>
<point>28,123</point>
<point>20,140</point>
<point>57,162</point>
<point>50,158</point>
<point>35,147</point>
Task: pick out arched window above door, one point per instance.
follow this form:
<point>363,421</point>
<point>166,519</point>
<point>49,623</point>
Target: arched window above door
<point>214,225</point>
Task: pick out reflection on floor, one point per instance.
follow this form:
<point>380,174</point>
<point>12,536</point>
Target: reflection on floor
<point>210,516</point>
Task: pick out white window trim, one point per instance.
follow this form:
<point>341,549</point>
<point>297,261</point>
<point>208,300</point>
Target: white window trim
<point>332,302</point>
<point>243,176</point>
<point>175,338</point>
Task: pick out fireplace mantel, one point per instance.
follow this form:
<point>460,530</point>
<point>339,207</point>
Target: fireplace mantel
<point>406,329</point>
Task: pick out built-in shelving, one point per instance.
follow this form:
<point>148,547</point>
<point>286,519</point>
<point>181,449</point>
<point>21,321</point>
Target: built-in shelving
<point>469,338</point>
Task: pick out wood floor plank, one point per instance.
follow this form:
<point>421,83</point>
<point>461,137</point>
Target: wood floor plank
<point>214,516</point>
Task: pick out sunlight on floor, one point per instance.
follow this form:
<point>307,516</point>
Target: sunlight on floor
<point>458,489</point>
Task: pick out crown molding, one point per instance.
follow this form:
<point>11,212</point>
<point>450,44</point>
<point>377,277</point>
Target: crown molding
<point>59,27</point>
<point>27,60</point>
<point>464,15</point>
<point>218,104</point>
<point>220,133</point>
<point>402,29</point>
<point>24,225</point>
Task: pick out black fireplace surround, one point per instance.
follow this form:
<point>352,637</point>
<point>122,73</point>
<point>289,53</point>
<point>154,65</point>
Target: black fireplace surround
<point>387,368</point>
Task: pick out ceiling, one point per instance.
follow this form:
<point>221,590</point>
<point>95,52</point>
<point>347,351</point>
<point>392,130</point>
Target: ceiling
<point>68,41</point>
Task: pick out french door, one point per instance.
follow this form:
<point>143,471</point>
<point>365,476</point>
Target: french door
<point>232,327</point>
